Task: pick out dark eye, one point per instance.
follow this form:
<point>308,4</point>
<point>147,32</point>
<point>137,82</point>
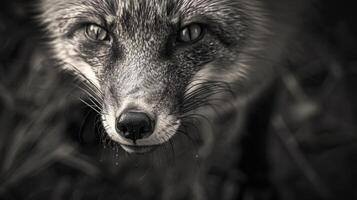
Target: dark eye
<point>96,32</point>
<point>191,33</point>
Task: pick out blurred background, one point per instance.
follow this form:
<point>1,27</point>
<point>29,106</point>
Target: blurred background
<point>52,146</point>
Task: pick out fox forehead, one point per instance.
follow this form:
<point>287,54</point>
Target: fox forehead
<point>163,7</point>
<point>148,11</point>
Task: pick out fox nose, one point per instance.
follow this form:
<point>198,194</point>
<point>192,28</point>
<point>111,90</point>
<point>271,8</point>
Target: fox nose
<point>135,125</point>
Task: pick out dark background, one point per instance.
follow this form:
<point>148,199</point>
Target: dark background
<point>53,147</point>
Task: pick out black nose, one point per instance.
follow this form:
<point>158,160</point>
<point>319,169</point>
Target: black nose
<point>135,125</point>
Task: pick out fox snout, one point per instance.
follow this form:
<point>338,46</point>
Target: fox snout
<point>140,119</point>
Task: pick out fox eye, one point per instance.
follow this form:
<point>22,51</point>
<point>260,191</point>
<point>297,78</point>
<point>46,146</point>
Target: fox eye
<point>96,33</point>
<point>191,33</point>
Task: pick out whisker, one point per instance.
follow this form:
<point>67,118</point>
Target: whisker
<point>91,106</point>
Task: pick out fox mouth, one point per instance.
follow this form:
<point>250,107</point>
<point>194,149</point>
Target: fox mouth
<point>136,149</point>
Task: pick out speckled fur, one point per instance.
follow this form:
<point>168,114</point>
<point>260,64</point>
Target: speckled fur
<point>144,66</point>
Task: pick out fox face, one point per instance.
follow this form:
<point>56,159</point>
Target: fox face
<point>150,64</point>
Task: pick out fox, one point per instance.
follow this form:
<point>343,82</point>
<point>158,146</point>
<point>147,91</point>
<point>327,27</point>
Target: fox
<point>160,69</point>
